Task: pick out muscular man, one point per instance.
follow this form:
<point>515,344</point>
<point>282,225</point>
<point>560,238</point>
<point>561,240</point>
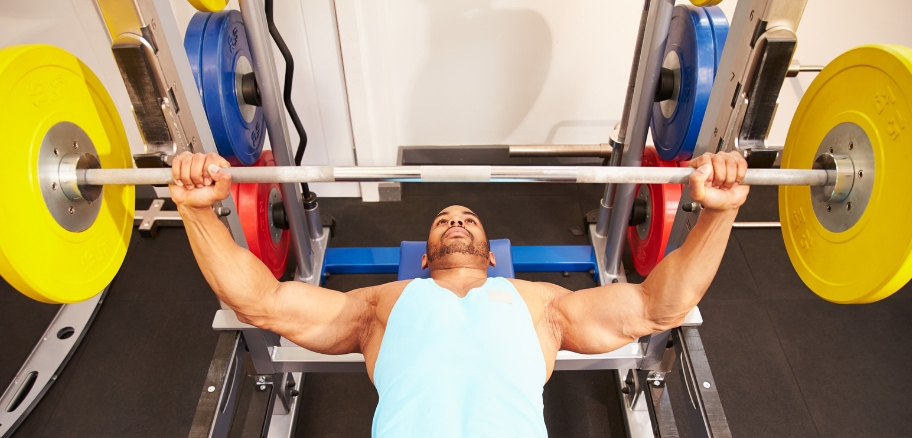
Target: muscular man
<point>460,354</point>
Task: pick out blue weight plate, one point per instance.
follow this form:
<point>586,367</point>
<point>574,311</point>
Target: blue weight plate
<point>239,140</point>
<point>193,45</point>
<point>690,36</point>
<point>719,24</point>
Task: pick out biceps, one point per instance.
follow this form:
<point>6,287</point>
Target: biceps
<point>602,319</point>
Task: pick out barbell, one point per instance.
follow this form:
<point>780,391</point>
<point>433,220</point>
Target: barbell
<point>68,217</point>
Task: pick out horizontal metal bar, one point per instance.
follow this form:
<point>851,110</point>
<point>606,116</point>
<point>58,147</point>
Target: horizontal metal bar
<point>586,174</point>
<point>603,150</point>
<point>297,359</point>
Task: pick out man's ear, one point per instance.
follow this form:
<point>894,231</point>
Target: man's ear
<point>424,261</point>
<point>492,260</point>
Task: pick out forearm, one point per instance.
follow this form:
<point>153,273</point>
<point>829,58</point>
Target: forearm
<point>236,276</point>
<point>678,283</point>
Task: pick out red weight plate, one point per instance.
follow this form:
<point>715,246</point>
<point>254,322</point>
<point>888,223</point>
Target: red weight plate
<point>254,204</point>
<point>648,240</point>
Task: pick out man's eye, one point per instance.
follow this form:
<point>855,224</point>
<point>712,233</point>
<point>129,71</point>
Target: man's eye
<point>470,221</point>
<point>441,221</point>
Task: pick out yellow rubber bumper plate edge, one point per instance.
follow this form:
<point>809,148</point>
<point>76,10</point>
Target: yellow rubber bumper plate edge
<point>210,5</point>
<point>41,87</point>
<point>861,103</point>
<point>702,3</point>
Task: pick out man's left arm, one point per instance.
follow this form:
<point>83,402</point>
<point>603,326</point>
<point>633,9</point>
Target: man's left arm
<point>605,318</point>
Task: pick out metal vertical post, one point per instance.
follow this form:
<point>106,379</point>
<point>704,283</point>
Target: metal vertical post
<point>656,33</point>
<point>274,110</point>
<point>618,146</point>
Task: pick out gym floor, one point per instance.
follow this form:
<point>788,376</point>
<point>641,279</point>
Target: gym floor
<point>786,363</point>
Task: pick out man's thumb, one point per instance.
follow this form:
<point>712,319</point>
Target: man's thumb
<point>698,181</point>
<point>218,174</point>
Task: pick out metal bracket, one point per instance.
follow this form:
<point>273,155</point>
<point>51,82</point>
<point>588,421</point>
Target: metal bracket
<point>754,65</point>
<point>704,408</point>
<point>46,362</point>
<point>217,402</point>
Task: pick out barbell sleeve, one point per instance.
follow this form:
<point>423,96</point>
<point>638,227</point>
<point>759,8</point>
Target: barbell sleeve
<point>566,174</point>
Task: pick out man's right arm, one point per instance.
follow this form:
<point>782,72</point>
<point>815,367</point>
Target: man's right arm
<point>315,318</point>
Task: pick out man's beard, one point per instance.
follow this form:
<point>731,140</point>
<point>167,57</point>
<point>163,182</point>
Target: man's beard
<point>482,249</point>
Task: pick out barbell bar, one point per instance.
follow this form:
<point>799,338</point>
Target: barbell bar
<point>476,174</point>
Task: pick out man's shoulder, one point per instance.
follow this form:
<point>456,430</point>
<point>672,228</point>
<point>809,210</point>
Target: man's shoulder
<point>380,291</point>
<point>547,291</point>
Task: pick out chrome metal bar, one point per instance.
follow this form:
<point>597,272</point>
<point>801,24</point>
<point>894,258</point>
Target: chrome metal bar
<point>603,150</point>
<point>796,67</point>
<point>660,12</point>
<point>607,201</point>
<point>634,72</point>
<point>481,174</point>
<point>274,110</point>
<point>297,359</point>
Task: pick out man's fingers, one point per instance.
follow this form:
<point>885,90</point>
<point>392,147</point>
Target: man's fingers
<point>196,170</point>
<point>176,168</point>
<point>731,172</point>
<point>186,168</point>
<point>221,162</point>
<point>742,169</point>
<point>719,170</point>
<point>211,159</point>
<point>699,161</point>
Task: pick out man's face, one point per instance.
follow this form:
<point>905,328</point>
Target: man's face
<point>457,236</point>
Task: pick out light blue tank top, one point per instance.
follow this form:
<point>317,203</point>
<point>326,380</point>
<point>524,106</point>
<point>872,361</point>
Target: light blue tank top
<point>460,367</point>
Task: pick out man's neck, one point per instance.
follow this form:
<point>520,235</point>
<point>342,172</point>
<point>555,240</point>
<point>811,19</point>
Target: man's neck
<point>459,280</point>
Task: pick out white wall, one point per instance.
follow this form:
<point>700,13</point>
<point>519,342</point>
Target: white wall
<point>425,72</point>
<point>433,72</point>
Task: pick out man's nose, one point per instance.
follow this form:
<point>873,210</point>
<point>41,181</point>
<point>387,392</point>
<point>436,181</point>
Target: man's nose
<point>456,222</point>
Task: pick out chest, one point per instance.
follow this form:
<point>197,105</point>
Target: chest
<point>487,321</point>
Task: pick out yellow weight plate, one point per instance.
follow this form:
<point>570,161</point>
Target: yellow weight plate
<point>41,86</point>
<point>869,89</point>
<point>208,5</point>
<point>702,3</point>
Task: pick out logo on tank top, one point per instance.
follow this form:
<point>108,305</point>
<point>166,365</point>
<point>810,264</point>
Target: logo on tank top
<point>500,296</point>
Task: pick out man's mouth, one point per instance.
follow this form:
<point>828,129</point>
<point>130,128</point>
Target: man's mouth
<point>457,231</point>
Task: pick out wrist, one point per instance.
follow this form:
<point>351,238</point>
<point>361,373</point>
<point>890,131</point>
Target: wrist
<point>720,214</point>
<point>192,212</point>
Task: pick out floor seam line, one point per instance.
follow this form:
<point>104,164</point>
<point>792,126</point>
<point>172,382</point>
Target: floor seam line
<point>792,370</point>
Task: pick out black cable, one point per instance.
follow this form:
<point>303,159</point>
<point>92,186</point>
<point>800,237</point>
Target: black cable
<point>289,74</point>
